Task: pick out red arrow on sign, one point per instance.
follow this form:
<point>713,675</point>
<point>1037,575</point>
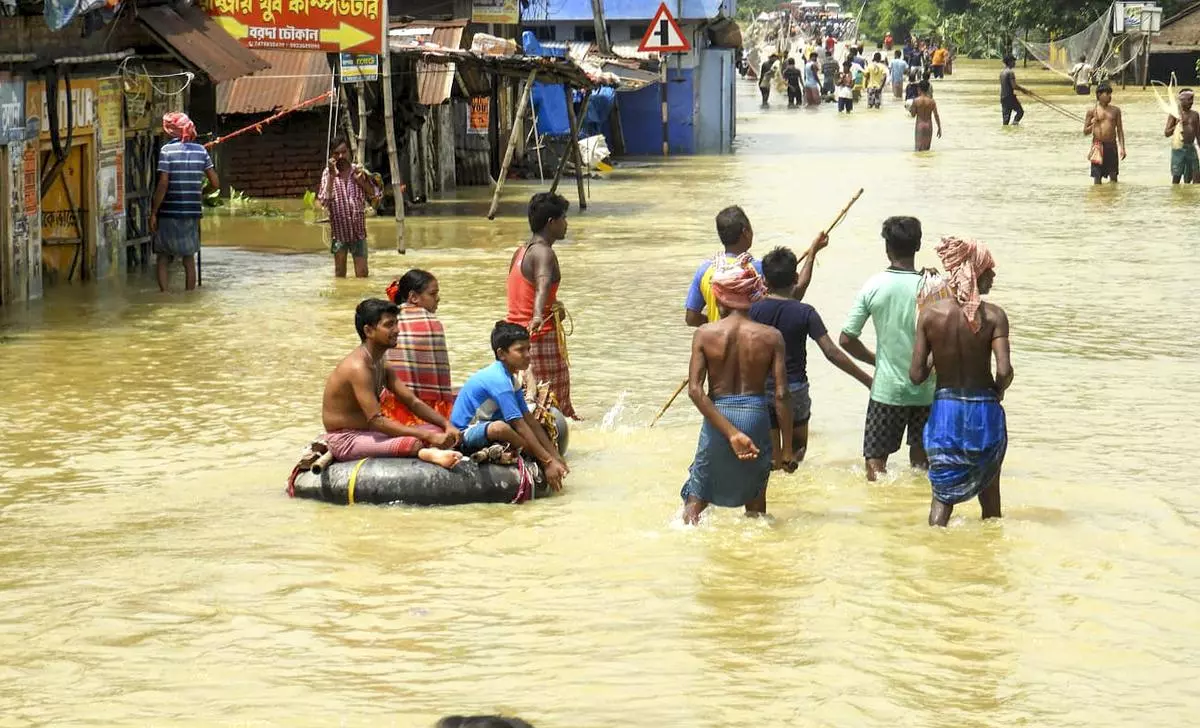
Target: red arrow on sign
<point>664,34</point>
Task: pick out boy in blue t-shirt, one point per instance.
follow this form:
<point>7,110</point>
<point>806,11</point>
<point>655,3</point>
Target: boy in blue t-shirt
<point>491,405</point>
<point>797,322</point>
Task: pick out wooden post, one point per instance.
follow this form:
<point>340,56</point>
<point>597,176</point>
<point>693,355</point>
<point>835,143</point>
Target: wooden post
<point>562,161</point>
<point>662,82</point>
<point>618,132</point>
<point>389,129</point>
<point>601,27</point>
<point>344,120</point>
<point>360,92</point>
<point>571,116</point>
<point>1146,63</point>
<point>445,146</point>
<point>512,143</point>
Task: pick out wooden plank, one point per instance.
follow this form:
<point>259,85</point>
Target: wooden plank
<point>574,148</point>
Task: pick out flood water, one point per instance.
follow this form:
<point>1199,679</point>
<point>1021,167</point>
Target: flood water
<point>152,570</point>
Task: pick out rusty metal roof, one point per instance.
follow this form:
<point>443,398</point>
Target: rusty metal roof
<point>198,41</point>
<point>294,76</point>
<point>434,81</point>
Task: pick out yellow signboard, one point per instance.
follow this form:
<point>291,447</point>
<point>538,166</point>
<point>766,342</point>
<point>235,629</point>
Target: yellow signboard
<point>495,11</point>
<point>82,105</point>
<point>108,113</point>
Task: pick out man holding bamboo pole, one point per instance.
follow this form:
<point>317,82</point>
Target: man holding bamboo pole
<point>737,236</point>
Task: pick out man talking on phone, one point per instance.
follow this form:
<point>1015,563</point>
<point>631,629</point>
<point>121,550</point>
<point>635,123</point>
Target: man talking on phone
<point>346,190</point>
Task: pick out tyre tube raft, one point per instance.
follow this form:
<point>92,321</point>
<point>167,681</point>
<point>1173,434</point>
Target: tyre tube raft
<point>416,482</point>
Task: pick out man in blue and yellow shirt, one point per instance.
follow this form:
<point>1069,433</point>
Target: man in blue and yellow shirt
<point>733,227</point>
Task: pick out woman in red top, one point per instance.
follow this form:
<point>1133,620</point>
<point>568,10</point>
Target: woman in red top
<point>533,279</point>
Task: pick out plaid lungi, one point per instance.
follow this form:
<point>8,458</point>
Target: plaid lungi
<point>547,364</point>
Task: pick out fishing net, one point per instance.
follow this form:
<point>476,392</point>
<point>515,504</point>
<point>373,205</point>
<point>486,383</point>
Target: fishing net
<point>1106,53</point>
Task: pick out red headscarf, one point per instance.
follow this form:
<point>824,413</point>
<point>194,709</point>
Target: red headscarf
<point>965,260</point>
<point>736,284</point>
<point>179,126</point>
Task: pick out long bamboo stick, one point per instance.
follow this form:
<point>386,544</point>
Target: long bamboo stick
<point>389,129</point>
<point>512,145</point>
<point>836,221</point>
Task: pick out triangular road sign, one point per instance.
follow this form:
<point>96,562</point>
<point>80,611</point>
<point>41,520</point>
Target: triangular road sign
<point>664,35</point>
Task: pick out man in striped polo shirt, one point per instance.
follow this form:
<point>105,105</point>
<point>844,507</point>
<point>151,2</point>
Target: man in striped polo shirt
<point>183,166</point>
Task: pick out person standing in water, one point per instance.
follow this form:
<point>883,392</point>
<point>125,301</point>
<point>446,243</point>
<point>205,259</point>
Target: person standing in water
<point>1105,124</point>
<point>812,84</point>
<point>876,78</point>
<point>798,322</point>
<point>967,434</point>
<point>1185,165</point>
<point>897,70</point>
<point>937,61</point>
<point>1010,106</point>
<point>845,90</point>
<point>889,299</point>
<point>183,168</point>
<point>533,279</point>
<point>736,355</point>
<point>346,191</point>
<point>765,75</point>
<point>1081,76</point>
<point>829,76</point>
<point>925,110</point>
<point>792,75</point>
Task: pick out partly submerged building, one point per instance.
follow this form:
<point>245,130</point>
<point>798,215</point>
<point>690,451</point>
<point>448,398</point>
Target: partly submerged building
<point>1177,48</point>
<point>701,97</point>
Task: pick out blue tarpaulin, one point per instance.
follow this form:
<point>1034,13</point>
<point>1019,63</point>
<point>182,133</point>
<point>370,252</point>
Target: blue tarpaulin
<point>598,110</point>
<point>549,101</point>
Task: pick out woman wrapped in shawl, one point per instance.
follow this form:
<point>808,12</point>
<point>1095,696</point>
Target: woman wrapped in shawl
<point>420,358</point>
<point>966,436</point>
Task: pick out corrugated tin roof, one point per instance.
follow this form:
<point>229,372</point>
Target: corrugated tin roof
<point>199,41</point>
<point>434,81</point>
<point>294,76</point>
<point>577,50</point>
<point>629,49</point>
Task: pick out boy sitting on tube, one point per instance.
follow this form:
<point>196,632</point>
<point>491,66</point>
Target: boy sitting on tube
<point>491,406</point>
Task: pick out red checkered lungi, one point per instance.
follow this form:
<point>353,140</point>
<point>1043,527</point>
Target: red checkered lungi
<point>547,365</point>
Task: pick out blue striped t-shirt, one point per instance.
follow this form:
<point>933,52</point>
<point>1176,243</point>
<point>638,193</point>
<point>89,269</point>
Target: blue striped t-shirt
<point>185,164</point>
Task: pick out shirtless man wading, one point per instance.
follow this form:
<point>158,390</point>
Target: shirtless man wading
<point>966,438</point>
<point>734,454</point>
<point>1105,125</point>
<point>1185,164</point>
<point>355,426</point>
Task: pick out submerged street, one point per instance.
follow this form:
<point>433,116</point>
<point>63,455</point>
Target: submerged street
<point>154,571</point>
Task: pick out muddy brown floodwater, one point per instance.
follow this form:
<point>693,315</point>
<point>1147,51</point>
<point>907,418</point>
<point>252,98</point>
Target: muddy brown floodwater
<point>153,572</point>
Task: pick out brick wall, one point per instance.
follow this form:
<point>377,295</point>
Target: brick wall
<point>283,162</point>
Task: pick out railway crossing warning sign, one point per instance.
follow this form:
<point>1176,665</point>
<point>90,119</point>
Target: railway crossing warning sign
<point>664,34</point>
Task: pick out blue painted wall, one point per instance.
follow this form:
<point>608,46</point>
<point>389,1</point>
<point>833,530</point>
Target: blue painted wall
<point>641,116</point>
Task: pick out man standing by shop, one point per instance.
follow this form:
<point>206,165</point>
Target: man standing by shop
<point>346,190</point>
<point>183,166</point>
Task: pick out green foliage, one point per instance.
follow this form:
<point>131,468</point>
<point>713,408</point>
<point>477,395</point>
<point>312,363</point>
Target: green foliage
<point>310,200</point>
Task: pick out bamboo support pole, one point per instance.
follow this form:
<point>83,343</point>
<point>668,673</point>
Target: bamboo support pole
<point>390,131</point>
<point>566,155</point>
<point>574,120</point>
<point>512,144</point>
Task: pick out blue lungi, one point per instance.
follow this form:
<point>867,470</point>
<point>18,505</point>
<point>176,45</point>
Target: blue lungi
<point>716,475</point>
<point>966,438</point>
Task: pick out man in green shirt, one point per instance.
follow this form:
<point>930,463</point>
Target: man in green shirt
<point>889,299</point>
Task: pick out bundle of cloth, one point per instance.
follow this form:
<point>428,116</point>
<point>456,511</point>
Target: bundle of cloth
<point>966,436</point>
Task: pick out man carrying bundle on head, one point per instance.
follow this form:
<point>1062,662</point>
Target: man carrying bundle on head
<point>966,437</point>
<point>734,453</point>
